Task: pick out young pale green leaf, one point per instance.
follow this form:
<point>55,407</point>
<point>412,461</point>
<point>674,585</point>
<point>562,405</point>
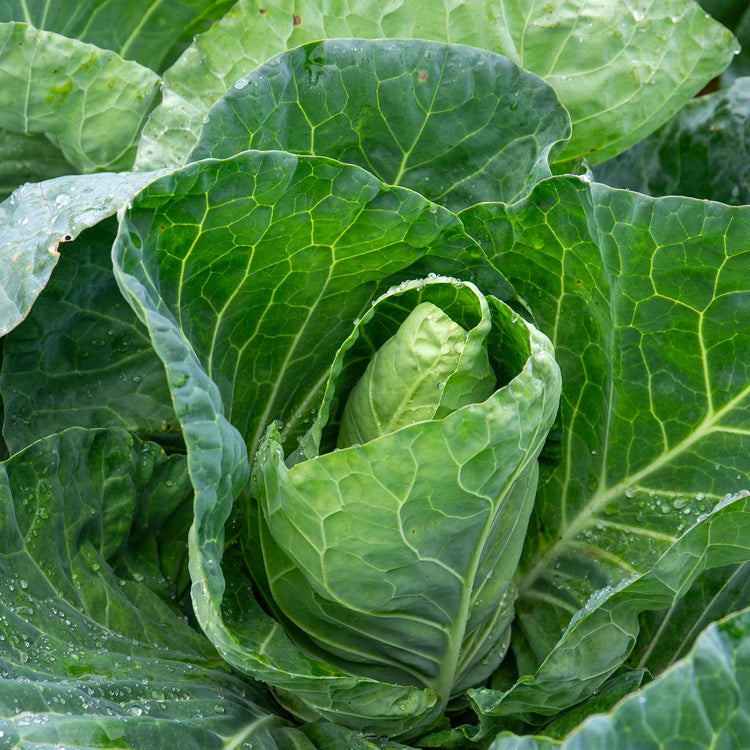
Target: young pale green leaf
<point>620,69</point>
<point>457,124</point>
<point>702,152</point>
<point>405,379</point>
<point>294,249</point>
<point>150,32</point>
<point>646,301</point>
<point>37,218</point>
<point>82,357</point>
<point>89,102</point>
<point>28,158</point>
<point>702,701</point>
<point>349,537</point>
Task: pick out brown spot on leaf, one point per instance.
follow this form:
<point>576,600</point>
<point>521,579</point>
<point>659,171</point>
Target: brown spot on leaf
<point>297,20</point>
<point>261,11</point>
<point>422,75</point>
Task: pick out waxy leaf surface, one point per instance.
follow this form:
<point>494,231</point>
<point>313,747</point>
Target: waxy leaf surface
<point>620,70</point>
<point>456,124</point>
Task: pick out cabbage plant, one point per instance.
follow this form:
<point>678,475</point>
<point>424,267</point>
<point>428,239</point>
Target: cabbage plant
<point>365,406</point>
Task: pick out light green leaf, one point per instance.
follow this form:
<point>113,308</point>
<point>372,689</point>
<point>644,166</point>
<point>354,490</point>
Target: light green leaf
<point>700,702</point>
<point>349,537</point>
<point>91,656</point>
<point>735,15</point>
<point>406,377</point>
<point>646,301</point>
<point>294,248</point>
<point>82,357</point>
<point>37,218</point>
<point>457,124</point>
<point>703,152</point>
<point>621,69</point>
<point>151,32</point>
<point>89,102</point>
<point>28,158</point>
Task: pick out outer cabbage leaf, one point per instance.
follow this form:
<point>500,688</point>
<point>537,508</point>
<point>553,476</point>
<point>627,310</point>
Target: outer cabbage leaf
<point>456,124</point>
<point>646,302</point>
<point>89,102</point>
<point>605,698</point>
<point>601,635</point>
<point>395,558</point>
<point>151,32</point>
<point>667,635</point>
<point>93,651</point>
<point>620,69</point>
<point>702,152</point>
<point>82,357</point>
<point>293,249</point>
<point>702,701</point>
<point>28,158</point>
<point>37,218</point>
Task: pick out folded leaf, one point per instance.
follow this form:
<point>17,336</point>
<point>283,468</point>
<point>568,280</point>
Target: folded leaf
<point>37,218</point>
<point>295,249</point>
<point>700,702</point>
<point>394,559</point>
<point>601,635</point>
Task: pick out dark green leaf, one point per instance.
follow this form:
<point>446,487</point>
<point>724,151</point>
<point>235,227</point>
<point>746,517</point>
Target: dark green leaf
<point>28,158</point>
<point>82,357</point>
<point>90,655</point>
<point>456,124</point>
<point>701,702</point>
<point>601,635</point>
<point>667,635</point>
<point>604,699</point>
<point>646,301</point>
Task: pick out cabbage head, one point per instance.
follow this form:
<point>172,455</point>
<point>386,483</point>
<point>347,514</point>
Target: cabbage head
<point>388,542</point>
